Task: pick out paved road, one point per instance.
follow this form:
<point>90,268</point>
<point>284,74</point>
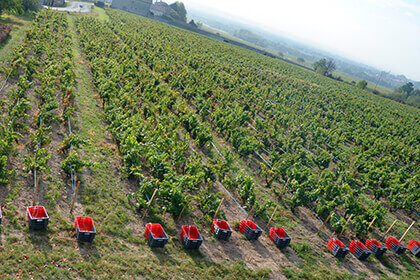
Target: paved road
<point>80,7</point>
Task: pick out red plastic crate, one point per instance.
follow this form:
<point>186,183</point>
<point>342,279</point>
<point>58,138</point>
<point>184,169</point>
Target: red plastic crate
<point>370,242</point>
<point>390,241</point>
<point>354,244</point>
<point>155,229</point>
<point>190,231</point>
<point>334,241</point>
<point>245,223</point>
<point>220,224</point>
<point>376,247</point>
<point>37,217</point>
<point>85,229</point>
<point>84,223</point>
<point>280,232</point>
<point>37,212</point>
<point>412,244</point>
<point>191,237</point>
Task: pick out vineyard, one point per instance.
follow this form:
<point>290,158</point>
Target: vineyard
<point>158,124</point>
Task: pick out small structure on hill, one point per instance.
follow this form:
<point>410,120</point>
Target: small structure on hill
<point>53,3</point>
<point>140,7</point>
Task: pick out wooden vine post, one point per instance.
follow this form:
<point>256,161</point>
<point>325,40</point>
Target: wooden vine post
<point>218,208</point>
<point>36,191</point>
<point>347,222</point>
<point>371,223</point>
<point>392,225</point>
<point>326,221</point>
<point>149,203</point>
<point>405,233</point>
<point>250,211</point>
<point>183,209</point>
<point>74,198</point>
<point>271,218</point>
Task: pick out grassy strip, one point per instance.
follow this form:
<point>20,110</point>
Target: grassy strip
<point>19,26</point>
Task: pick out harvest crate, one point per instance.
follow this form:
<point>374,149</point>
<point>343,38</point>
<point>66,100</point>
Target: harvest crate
<point>394,245</point>
<point>250,230</point>
<point>191,237</point>
<point>155,235</point>
<point>37,217</point>
<point>221,229</point>
<point>414,247</point>
<point>279,236</point>
<point>377,248</point>
<point>337,248</point>
<point>85,229</point>
<point>359,250</point>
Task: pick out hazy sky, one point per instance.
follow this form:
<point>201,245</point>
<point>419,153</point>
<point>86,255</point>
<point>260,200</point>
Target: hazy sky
<point>381,33</point>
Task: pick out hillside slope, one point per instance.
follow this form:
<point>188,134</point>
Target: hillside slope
<point>157,107</point>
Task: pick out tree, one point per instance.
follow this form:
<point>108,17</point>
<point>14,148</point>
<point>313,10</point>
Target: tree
<point>325,67</point>
<point>13,6</point>
<point>30,5</point>
<point>179,8</point>
<point>18,6</point>
<point>300,59</point>
<point>361,84</point>
<point>407,89</point>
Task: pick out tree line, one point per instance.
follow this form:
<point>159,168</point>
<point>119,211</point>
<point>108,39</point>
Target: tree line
<point>19,7</point>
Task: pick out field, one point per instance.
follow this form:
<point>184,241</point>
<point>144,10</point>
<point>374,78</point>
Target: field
<point>127,107</point>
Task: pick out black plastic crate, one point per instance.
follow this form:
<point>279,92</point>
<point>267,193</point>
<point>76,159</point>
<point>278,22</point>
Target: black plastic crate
<point>250,230</point>
<point>339,252</point>
<point>37,217</point>
<point>378,251</point>
<point>157,242</point>
<point>155,235</point>
<point>191,237</point>
<point>221,230</point>
<point>361,254</point>
<point>252,234</point>
<point>416,251</point>
<point>398,249</point>
<point>222,234</point>
<point>282,242</point>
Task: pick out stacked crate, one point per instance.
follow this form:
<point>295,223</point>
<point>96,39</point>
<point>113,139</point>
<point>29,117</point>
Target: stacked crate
<point>377,248</point>
<point>250,230</point>
<point>221,229</point>
<point>359,250</point>
<point>394,245</point>
<point>191,237</point>
<point>85,229</point>
<point>337,248</point>
<point>279,236</point>
<point>414,247</point>
<point>155,235</point>
<point>37,217</point>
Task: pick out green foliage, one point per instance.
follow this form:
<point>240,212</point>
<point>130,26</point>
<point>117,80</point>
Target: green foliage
<point>75,162</point>
<point>324,67</point>
<point>4,172</point>
<point>39,161</point>
<point>73,140</point>
<point>361,84</point>
<point>18,6</point>
<point>180,11</point>
<point>208,203</point>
